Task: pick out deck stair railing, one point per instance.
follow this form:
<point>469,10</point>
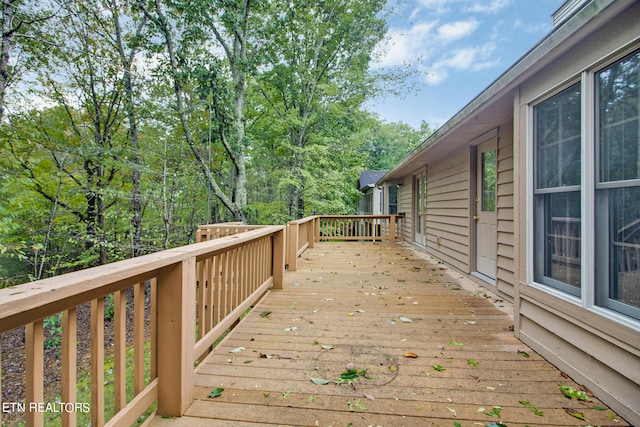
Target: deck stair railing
<point>187,296</point>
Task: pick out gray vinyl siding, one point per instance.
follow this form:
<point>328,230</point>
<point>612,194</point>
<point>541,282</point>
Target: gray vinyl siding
<point>448,210</point>
<point>405,205</point>
<point>505,274</point>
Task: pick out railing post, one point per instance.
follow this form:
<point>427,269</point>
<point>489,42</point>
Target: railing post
<point>176,293</point>
<point>292,250</point>
<point>311,232</point>
<point>279,248</point>
<point>392,228</point>
<point>317,228</point>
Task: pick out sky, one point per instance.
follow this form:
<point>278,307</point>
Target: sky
<point>455,49</point>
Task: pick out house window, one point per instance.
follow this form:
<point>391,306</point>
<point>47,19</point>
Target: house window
<point>393,199</point>
<point>617,215</point>
<point>557,192</point>
<point>489,175</point>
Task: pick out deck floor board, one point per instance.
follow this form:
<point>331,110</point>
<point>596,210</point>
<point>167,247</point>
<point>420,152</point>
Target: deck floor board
<point>368,305</point>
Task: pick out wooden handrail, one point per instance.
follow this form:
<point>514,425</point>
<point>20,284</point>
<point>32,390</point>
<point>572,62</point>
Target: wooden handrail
<point>303,233</point>
<point>196,292</point>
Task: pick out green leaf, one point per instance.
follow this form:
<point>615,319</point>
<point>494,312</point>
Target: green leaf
<point>472,363</point>
<point>523,353</point>
<point>571,392</point>
<point>349,374</point>
<point>495,412</point>
<point>456,344</point>
<point>319,381</point>
<point>438,367</point>
<point>216,392</point>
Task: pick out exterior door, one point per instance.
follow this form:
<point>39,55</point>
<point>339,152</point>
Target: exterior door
<point>420,208</point>
<point>486,219</point>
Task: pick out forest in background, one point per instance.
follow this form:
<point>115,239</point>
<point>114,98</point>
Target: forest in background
<point>126,124</point>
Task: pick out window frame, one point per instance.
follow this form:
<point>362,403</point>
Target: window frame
<point>602,276</point>
<point>588,298</point>
<point>537,206</point>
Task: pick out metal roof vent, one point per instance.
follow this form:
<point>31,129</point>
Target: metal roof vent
<point>565,11</point>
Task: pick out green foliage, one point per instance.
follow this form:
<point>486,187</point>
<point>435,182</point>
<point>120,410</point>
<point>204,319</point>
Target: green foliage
<point>289,107</point>
<point>53,328</point>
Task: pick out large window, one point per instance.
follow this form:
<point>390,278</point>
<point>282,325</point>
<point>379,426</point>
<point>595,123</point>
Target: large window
<point>618,186</point>
<point>557,193</point>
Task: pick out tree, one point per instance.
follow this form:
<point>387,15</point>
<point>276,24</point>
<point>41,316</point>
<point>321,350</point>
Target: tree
<point>82,78</point>
<point>127,60</point>
<point>317,76</point>
<point>388,143</point>
<point>185,27</point>
<point>24,38</point>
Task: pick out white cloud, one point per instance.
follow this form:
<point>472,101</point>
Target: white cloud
<point>403,46</point>
<point>471,58</point>
<point>491,6</point>
<point>435,77</point>
<point>469,6</point>
<point>457,30</point>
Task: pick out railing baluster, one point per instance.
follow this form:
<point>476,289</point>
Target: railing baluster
<point>97,362</point>
<point>69,369</point>
<point>34,371</point>
<point>202,285</point>
<point>216,289</point>
<point>153,327</point>
<point>138,338</point>
<point>208,316</point>
<point>224,285</point>
<point>120,349</point>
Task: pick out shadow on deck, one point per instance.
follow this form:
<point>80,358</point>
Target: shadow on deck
<point>370,306</point>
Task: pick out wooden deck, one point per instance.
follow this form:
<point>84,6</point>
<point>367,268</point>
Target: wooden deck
<point>368,306</point>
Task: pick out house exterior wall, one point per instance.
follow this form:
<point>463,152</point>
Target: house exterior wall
<point>405,206</point>
<point>596,346</point>
<point>505,274</point>
<point>448,193</point>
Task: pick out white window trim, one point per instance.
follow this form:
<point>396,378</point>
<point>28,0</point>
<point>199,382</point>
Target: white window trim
<point>587,299</point>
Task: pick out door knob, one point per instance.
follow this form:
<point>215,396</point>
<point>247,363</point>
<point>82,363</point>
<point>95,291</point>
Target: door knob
<point>476,217</point>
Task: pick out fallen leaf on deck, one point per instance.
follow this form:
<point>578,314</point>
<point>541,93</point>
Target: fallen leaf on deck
<point>319,381</point>
<point>265,313</point>
<point>574,413</point>
<point>285,356</point>
<point>369,396</point>
<point>216,392</point>
<point>405,319</point>
<point>236,350</point>
<point>326,347</point>
<point>411,355</point>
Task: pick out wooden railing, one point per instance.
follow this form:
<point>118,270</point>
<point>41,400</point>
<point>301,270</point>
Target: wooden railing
<point>194,293</point>
<point>216,231</point>
<point>302,234</point>
<point>359,228</point>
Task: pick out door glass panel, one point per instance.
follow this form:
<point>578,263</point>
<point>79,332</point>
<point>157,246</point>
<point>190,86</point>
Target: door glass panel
<point>489,181</point>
